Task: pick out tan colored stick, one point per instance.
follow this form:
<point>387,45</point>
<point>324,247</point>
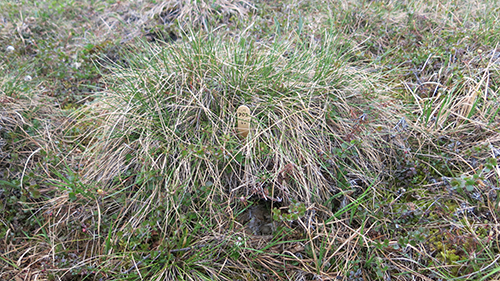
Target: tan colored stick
<point>243,115</point>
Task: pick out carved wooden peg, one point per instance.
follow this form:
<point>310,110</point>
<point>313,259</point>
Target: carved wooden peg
<point>243,115</point>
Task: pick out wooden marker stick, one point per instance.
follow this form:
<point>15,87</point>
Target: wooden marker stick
<point>243,115</point>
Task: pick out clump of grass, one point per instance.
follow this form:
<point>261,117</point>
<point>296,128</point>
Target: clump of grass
<point>167,132</point>
<point>195,88</point>
<point>169,20</point>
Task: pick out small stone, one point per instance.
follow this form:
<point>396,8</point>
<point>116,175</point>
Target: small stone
<point>266,229</point>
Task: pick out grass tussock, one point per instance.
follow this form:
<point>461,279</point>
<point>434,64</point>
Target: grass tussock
<point>166,141</point>
<point>195,88</point>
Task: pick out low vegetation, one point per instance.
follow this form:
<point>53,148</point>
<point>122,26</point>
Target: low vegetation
<point>372,150</point>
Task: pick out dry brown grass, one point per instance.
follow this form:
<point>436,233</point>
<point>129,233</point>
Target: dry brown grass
<point>372,136</point>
